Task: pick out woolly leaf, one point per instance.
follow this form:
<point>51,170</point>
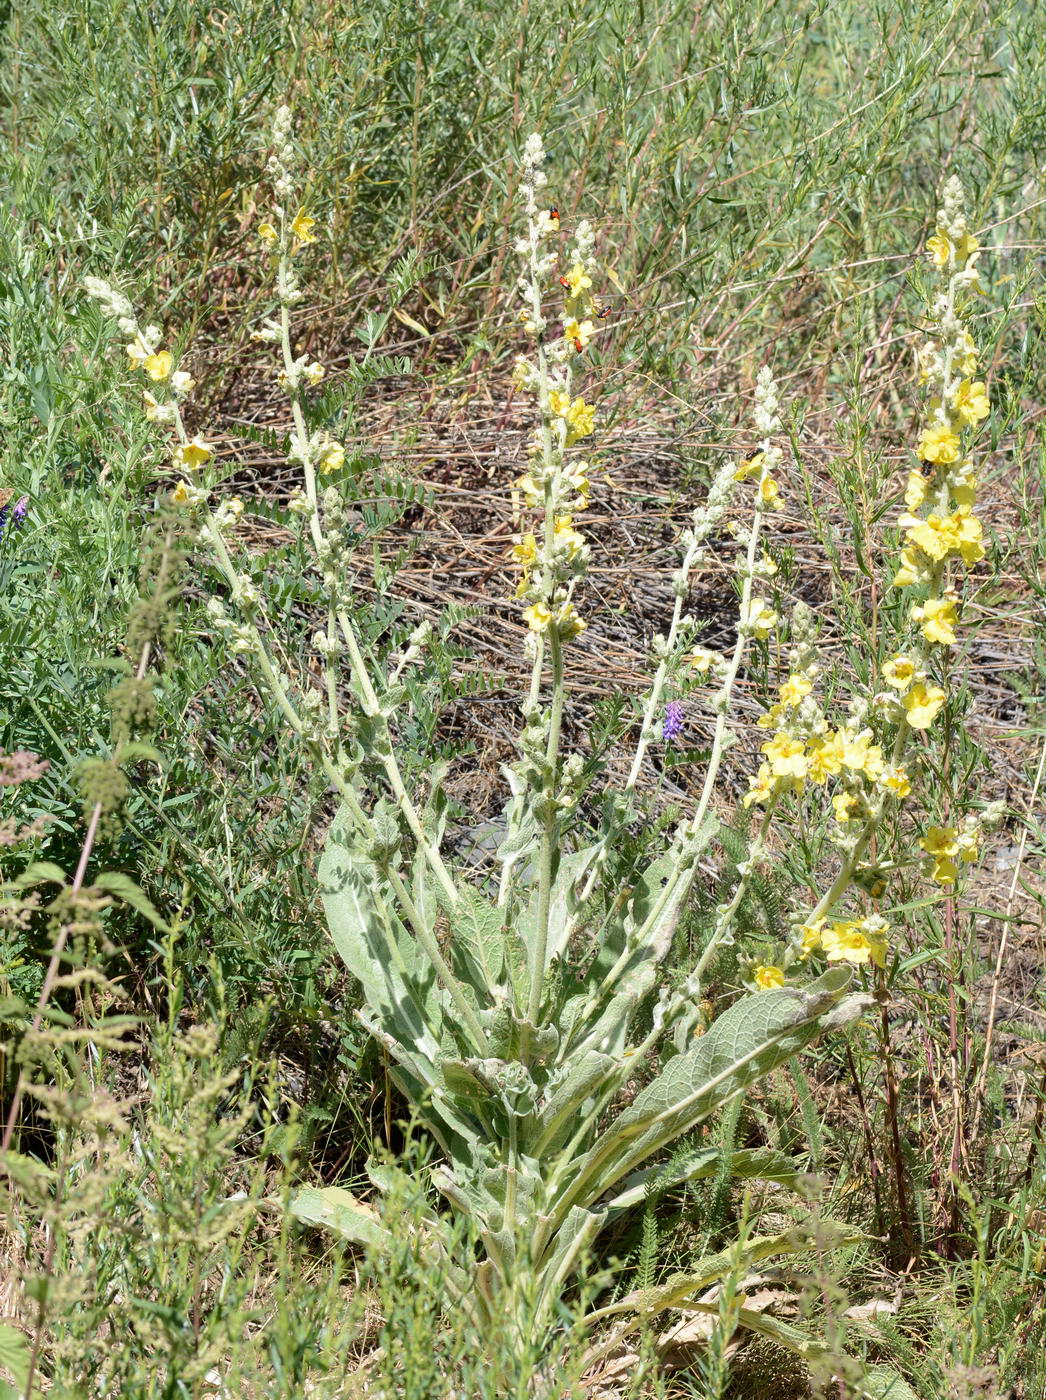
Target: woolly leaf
<point>750,1039</point>
<point>479,929</point>
<point>338,1210</point>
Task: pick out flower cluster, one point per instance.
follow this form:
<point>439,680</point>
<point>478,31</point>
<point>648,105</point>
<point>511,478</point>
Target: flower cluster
<point>941,535</point>
<point>13,515</point>
<point>940,528</point>
<point>145,354</point>
<point>553,557</point>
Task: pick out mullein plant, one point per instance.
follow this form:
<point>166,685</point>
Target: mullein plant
<point>864,762</point>
<point>514,1012</point>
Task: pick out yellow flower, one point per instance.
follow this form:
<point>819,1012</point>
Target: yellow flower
<point>182,383</point>
<point>267,233</point>
<point>968,363</point>
<point>945,871</point>
<point>525,550</point>
<point>922,704</point>
<point>568,623</point>
<point>314,373</point>
<point>537,617</point>
<point>843,804</point>
<point>853,942</point>
<point>767,567</point>
<point>899,671</point>
<point>567,537</point>
<point>153,408</point>
<point>911,571</point>
<point>761,787</point>
<point>793,691</point>
<point>749,466</point>
<point>971,402</point>
<point>968,535</point>
<point>787,756</point>
<point>766,976</point>
<point>702,659</point>
<point>575,475</point>
<point>578,332</point>
<point>578,280</point>
<point>860,755</point>
<point>182,494</point>
<point>934,535</point>
<point>811,932</point>
<point>964,489</point>
<point>969,844</point>
<point>769,496</point>
<point>302,227</point>
<point>939,444</point>
<point>558,403</point>
<point>915,491</point>
<point>759,619</point>
<point>772,718</point>
<point>826,757</point>
<point>158,366</point>
<point>581,420</point>
<point>532,492</point>
<point>941,841</point>
<point>192,454</point>
<point>938,619</point>
<point>895,780</point>
<point>137,353</point>
<point>939,247</point>
<point>942,844</point>
<point>331,458</point>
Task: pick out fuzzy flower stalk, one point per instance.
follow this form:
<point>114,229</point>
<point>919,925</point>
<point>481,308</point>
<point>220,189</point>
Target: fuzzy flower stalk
<point>553,554</point>
<point>862,762</point>
<point>312,714</point>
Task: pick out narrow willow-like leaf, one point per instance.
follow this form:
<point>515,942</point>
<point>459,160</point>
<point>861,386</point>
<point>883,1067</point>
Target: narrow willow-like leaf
<point>684,1287</point>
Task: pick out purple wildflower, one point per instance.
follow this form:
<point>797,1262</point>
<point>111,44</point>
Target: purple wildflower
<point>13,515</point>
<point>674,720</point>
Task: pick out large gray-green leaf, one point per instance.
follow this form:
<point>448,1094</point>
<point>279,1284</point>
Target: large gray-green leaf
<point>397,982</point>
<point>567,1251</point>
<point>633,945</point>
<point>425,888</point>
<point>585,1075</point>
<point>339,1211</point>
<point>749,1040</point>
<point>421,1081</point>
<point>883,1383</point>
<point>479,931</point>
<point>564,904</point>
